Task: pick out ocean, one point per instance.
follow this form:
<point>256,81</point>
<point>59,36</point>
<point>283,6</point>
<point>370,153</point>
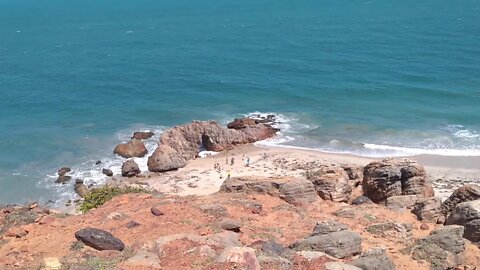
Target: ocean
<point>372,78</point>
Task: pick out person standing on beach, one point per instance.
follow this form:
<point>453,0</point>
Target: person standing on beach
<point>228,174</point>
<point>248,162</point>
<point>232,161</point>
<point>226,160</point>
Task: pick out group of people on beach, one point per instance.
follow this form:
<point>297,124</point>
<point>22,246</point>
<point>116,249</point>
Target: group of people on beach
<point>218,168</point>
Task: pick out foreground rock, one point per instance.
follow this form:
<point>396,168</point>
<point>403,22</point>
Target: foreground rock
<point>332,183</point>
<point>292,190</point>
<point>130,168</point>
<point>467,214</point>
<point>392,177</point>
<point>99,239</point>
<point>443,248</point>
<point>107,172</point>
<point>333,239</point>
<point>142,135</point>
<point>465,193</point>
<point>374,259</point>
<point>428,209</point>
<point>243,256</point>
<point>133,148</point>
<point>180,144</point>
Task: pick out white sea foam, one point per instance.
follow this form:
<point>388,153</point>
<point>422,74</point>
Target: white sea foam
<point>406,151</point>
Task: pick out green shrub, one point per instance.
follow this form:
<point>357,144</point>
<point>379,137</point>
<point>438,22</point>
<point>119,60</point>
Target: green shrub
<point>99,196</point>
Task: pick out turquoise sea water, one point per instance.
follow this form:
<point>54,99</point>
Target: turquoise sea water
<point>374,78</point>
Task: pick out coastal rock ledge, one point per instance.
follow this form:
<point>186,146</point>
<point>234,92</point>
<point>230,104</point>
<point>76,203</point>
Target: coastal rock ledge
<point>182,143</point>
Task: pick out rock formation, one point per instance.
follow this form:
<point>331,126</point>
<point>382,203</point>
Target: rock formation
<point>465,193</point>
<point>182,143</point>
<point>142,135</point>
<point>332,183</point>
<point>467,214</point>
<point>133,148</point>
<point>392,177</point>
<point>130,168</point>
<point>292,190</point>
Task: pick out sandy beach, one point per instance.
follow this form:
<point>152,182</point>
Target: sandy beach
<point>200,177</point>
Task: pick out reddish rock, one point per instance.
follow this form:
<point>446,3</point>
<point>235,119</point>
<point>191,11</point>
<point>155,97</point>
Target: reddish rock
<point>241,123</point>
<point>142,135</point>
<point>156,212</point>
<point>332,183</point>
<point>424,227</point>
<point>180,144</point>
<point>243,256</point>
<point>133,148</point>
<point>46,220</point>
<point>393,177</point>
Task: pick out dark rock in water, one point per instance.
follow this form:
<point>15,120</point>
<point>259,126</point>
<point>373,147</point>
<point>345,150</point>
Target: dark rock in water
<point>98,162</point>
<point>374,259</point>
<point>132,224</point>
<point>326,227</point>
<point>180,144</point>
<point>133,148</point>
<point>240,123</point>
<point>63,179</point>
<point>361,200</point>
<point>465,193</point>
<point>142,135</point>
<point>99,239</point>
<point>394,177</point>
<point>156,212</point>
<point>467,214</point>
<point>130,168</point>
<point>340,244</point>
<point>231,225</point>
<point>80,188</point>
<point>64,170</point>
<point>107,172</point>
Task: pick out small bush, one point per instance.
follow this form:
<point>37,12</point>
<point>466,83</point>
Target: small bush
<point>99,196</point>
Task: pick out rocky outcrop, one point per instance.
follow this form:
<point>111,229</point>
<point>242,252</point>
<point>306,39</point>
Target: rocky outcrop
<point>374,259</point>
<point>133,148</point>
<point>130,168</point>
<point>62,179</point>
<point>142,135</point>
<point>428,209</point>
<point>292,190</point>
<point>332,183</point>
<point>241,123</point>
<point>180,144</point>
<point>99,239</point>
<point>333,239</point>
<point>63,171</point>
<point>443,248</point>
<point>392,177</point>
<point>340,244</point>
<point>467,214</point>
<point>463,194</point>
<point>80,188</point>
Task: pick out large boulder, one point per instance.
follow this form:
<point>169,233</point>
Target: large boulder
<point>133,148</point>
<point>80,188</point>
<point>467,214</point>
<point>393,177</point>
<point>292,190</point>
<point>130,168</point>
<point>428,209</point>
<point>341,244</point>
<point>374,259</point>
<point>443,248</point>
<point>465,193</point>
<point>99,239</point>
<point>182,143</point>
<point>332,183</point>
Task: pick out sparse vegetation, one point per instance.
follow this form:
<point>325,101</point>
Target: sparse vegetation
<point>99,196</point>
